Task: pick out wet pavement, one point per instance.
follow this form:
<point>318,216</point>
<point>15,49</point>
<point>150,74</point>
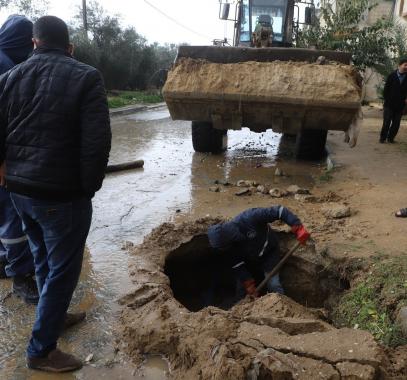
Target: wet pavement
<point>174,183</point>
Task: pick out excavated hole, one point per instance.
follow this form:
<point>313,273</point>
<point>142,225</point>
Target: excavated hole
<point>201,278</point>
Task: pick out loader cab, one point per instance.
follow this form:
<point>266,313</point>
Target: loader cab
<point>250,13</point>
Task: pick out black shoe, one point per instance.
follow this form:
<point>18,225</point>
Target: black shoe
<point>381,141</point>
<point>3,274</point>
<point>391,141</point>
<point>26,288</point>
<point>56,361</point>
<point>72,319</point>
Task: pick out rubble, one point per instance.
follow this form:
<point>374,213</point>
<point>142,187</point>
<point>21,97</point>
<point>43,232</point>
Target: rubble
<point>305,198</point>
<point>243,192</point>
<point>270,337</point>
<point>336,211</point>
<point>276,193</point>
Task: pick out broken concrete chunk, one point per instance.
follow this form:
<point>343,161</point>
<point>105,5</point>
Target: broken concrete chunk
<point>214,189</point>
<point>246,183</point>
<point>262,189</point>
<point>305,198</point>
<point>356,371</point>
<point>336,211</point>
<point>243,192</point>
<point>275,193</point>
<point>293,189</point>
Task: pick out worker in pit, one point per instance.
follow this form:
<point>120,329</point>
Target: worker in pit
<point>250,245</point>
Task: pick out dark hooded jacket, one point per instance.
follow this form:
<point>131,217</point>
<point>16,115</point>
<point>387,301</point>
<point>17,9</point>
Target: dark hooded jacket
<point>15,42</point>
<point>16,38</point>
<point>247,236</point>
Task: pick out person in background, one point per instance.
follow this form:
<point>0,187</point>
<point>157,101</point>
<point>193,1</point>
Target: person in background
<point>54,146</point>
<point>250,245</point>
<point>395,94</point>
<point>16,260</point>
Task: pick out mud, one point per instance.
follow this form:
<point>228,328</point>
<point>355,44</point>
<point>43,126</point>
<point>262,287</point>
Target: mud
<point>288,82</point>
<point>271,337</point>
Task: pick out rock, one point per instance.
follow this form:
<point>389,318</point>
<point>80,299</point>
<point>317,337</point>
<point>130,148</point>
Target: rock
<point>321,60</point>
<point>293,189</point>
<point>250,183</point>
<point>336,211</point>
<point>261,189</point>
<point>402,320</point>
<point>241,183</point>
<point>243,192</point>
<point>275,193</point>
<point>253,189</point>
<point>278,172</point>
<point>355,371</point>
<point>246,183</point>
<point>214,189</point>
<point>305,198</point>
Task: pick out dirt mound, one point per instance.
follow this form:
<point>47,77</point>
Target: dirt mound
<point>272,337</point>
<point>287,82</point>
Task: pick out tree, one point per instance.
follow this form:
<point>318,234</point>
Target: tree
<point>121,54</point>
<point>33,9</point>
<point>342,30</point>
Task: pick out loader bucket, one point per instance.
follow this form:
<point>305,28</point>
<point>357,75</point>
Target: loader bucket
<point>283,89</point>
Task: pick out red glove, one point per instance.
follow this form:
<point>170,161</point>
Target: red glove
<point>250,287</point>
<point>301,233</point>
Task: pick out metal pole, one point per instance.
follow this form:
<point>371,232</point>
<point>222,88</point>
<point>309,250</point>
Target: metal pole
<point>84,15</point>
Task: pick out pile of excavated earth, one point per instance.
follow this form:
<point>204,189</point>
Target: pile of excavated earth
<point>292,82</point>
<point>272,337</point>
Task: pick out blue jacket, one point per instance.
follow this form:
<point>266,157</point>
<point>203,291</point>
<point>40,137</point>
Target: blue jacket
<point>245,236</point>
<point>16,39</point>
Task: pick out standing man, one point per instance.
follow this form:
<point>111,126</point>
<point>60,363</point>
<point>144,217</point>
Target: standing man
<point>251,246</point>
<point>395,94</point>
<point>16,260</point>
<point>54,147</point>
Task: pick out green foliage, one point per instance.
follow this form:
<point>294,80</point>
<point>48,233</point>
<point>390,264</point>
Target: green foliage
<point>126,98</point>
<point>373,303</point>
<point>342,30</point>
<point>124,57</point>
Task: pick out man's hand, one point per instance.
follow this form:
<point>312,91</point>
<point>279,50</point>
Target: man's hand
<point>301,233</point>
<point>3,174</point>
<point>250,287</point>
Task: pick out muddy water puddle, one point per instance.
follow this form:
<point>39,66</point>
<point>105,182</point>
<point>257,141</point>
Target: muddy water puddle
<point>174,181</point>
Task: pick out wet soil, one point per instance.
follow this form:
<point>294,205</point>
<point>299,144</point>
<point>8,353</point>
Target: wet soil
<point>174,185</point>
<point>270,337</point>
<point>174,182</point>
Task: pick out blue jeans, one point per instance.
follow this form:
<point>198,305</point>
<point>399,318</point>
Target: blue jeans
<point>16,252</point>
<point>57,233</point>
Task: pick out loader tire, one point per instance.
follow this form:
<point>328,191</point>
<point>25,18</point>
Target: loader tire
<point>206,139</point>
<point>310,144</point>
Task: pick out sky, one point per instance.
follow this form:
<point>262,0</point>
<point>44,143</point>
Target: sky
<point>200,17</point>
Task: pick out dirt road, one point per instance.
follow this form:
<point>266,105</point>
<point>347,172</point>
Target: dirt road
<point>175,185</point>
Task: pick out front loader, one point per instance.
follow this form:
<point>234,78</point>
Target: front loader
<point>263,82</point>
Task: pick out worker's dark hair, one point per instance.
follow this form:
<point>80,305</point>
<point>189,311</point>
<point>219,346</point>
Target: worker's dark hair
<point>402,60</point>
<point>51,31</point>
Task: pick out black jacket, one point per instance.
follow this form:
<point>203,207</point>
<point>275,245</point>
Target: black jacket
<point>395,93</point>
<point>54,127</point>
